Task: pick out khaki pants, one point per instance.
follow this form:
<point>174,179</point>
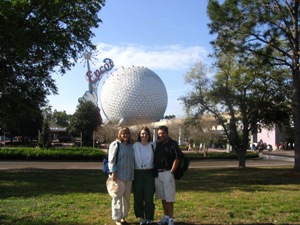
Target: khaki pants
<point>165,186</point>
<point>120,205</point>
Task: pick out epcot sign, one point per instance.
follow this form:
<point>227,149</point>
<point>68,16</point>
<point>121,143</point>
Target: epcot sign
<point>95,77</point>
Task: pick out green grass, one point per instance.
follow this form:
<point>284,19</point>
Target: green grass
<point>214,196</point>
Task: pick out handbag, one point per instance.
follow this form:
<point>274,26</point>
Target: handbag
<point>105,168</point>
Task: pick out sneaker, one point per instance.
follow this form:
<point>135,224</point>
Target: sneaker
<point>123,222</point>
<point>164,221</point>
<point>148,222</point>
<point>171,222</point>
<point>142,221</point>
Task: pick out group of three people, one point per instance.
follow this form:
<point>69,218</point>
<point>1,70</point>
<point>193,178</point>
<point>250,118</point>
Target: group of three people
<point>134,165</point>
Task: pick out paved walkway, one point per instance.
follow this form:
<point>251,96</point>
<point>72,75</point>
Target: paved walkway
<point>275,158</point>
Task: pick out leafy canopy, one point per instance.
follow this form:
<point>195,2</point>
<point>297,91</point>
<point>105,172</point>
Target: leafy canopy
<point>39,37</point>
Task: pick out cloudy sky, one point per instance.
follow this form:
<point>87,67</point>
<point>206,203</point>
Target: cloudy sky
<point>166,36</point>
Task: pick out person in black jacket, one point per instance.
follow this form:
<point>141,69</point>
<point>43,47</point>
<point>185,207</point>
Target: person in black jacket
<point>166,159</point>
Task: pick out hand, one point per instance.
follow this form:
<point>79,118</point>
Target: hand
<point>114,176</point>
<point>88,96</point>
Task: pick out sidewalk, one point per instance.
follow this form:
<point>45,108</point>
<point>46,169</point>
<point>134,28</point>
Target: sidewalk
<point>286,155</point>
<point>281,153</point>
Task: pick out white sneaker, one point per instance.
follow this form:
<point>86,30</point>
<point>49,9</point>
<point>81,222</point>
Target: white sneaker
<point>163,221</point>
<point>142,221</point>
<point>170,222</point>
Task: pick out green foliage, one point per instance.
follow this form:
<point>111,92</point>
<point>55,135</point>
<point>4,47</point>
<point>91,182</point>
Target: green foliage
<point>37,38</point>
<point>169,117</point>
<point>267,31</point>
<point>60,118</point>
<point>239,97</point>
<point>81,154</point>
<point>86,119</point>
<point>77,153</point>
<point>44,141</point>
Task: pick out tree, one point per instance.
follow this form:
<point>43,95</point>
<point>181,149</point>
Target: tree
<point>61,119</point>
<point>200,130</point>
<point>108,132</point>
<point>267,30</point>
<point>44,141</point>
<point>37,38</point>
<point>169,117</point>
<point>85,120</point>
<point>239,98</point>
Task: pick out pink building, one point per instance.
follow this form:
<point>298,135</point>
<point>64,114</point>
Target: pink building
<point>271,137</point>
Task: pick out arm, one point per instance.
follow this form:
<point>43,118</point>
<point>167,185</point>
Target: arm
<point>112,157</point>
<point>175,165</point>
<point>178,157</point>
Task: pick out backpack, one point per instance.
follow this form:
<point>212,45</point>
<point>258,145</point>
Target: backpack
<point>105,161</point>
<point>182,168</point>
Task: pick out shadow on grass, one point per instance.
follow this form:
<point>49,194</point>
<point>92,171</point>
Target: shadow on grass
<point>25,183</point>
<point>32,182</point>
<point>28,221</point>
<point>248,179</point>
<point>183,223</point>
<point>32,221</point>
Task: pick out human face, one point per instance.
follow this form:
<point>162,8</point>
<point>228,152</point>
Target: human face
<point>125,136</point>
<point>144,135</point>
<point>162,135</point>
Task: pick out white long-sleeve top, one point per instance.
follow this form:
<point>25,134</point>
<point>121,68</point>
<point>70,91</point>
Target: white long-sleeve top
<point>143,155</point>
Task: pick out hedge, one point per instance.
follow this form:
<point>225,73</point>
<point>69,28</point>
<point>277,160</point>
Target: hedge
<point>91,154</point>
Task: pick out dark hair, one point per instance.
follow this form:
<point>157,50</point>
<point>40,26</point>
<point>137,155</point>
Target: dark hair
<point>165,128</point>
<point>148,132</point>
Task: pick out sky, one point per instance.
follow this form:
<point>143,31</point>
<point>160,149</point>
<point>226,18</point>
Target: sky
<point>166,36</point>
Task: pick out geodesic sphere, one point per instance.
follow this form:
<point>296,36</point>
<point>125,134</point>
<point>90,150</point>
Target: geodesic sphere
<point>132,95</point>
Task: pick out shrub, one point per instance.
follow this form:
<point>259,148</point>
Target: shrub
<point>89,154</point>
<point>24,153</point>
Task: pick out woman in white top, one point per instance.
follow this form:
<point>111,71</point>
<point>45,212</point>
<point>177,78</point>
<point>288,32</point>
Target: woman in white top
<point>144,183</point>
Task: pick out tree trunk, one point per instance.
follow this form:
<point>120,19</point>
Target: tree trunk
<point>296,85</point>
<point>242,158</point>
<point>296,108</point>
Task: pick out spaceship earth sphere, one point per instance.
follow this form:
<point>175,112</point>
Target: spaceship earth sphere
<point>132,95</point>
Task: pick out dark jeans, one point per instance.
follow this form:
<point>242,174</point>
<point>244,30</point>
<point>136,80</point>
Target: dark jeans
<point>143,192</point>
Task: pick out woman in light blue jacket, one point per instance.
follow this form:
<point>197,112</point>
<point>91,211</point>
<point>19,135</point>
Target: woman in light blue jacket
<point>121,167</point>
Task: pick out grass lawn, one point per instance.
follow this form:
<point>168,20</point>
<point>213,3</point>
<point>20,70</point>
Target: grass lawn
<point>204,196</point>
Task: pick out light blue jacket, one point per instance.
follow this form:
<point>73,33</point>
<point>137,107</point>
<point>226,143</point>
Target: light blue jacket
<point>125,163</point>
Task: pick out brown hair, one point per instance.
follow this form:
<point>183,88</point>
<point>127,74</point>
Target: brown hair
<point>165,128</point>
<point>148,132</point>
<point>122,131</point>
